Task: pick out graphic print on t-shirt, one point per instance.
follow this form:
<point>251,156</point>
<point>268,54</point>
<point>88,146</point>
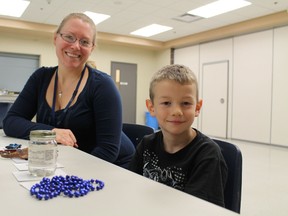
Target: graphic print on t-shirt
<point>171,176</point>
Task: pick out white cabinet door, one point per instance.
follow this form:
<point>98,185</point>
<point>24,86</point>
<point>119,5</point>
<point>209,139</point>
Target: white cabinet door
<point>280,88</point>
<point>252,87</point>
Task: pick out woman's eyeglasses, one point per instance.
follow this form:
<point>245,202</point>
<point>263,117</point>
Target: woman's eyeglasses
<point>72,39</point>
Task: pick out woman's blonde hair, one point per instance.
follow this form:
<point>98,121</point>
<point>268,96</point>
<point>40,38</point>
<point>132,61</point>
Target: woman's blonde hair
<point>82,17</point>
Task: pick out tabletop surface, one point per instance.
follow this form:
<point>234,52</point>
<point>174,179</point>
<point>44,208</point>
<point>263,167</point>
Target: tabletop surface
<point>125,193</point>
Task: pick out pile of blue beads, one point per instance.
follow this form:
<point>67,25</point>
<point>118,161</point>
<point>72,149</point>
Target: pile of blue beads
<point>70,186</point>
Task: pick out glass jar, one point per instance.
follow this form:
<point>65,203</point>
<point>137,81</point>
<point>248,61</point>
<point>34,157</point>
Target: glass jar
<point>42,153</point>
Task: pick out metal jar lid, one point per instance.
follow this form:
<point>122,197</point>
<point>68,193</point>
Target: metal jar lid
<point>42,134</point>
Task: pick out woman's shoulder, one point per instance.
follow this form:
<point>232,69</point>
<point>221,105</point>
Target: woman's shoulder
<point>101,83</point>
<point>44,71</point>
<point>42,74</point>
<point>98,75</point>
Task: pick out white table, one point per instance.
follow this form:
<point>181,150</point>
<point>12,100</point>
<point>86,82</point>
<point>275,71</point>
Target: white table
<point>125,193</point>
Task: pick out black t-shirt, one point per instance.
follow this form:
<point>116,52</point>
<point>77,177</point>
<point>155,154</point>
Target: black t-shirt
<point>198,169</point>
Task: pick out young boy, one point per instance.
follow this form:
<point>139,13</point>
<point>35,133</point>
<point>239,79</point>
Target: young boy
<point>179,155</point>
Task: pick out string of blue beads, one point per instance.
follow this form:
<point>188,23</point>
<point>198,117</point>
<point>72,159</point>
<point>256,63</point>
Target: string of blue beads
<point>70,186</point>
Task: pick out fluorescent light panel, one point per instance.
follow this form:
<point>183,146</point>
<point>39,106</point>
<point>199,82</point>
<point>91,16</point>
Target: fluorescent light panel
<point>97,17</point>
<point>151,30</point>
<point>218,7</point>
<point>14,8</point>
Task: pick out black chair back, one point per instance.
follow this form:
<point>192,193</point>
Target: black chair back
<point>233,159</point>
<point>136,132</point>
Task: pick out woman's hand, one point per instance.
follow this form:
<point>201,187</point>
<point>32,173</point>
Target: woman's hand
<point>65,137</point>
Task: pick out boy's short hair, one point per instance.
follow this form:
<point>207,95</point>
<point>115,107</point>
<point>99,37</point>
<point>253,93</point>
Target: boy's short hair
<point>176,72</point>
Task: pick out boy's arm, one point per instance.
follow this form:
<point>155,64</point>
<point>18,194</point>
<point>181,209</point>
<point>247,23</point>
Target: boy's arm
<point>208,181</point>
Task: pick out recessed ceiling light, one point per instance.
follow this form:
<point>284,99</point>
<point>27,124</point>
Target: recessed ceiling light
<point>97,17</point>
<point>218,7</point>
<point>151,30</point>
<point>14,8</point>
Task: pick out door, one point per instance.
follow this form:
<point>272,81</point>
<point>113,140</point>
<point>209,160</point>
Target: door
<point>125,77</point>
<point>214,114</point>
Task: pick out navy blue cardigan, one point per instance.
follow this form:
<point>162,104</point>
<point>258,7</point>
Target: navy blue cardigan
<point>95,118</point>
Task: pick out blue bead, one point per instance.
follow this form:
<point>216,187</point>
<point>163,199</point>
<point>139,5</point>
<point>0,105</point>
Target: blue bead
<point>39,196</point>
<point>76,194</point>
<point>71,186</point>
<point>32,191</point>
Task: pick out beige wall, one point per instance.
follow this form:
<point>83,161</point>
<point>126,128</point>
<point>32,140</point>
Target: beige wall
<point>23,44</point>
<point>32,38</point>
<point>147,60</point>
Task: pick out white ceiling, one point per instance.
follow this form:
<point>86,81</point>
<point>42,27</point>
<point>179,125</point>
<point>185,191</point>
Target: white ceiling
<point>130,15</point>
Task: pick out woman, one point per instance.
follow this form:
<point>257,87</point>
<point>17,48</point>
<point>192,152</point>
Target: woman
<point>81,104</point>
